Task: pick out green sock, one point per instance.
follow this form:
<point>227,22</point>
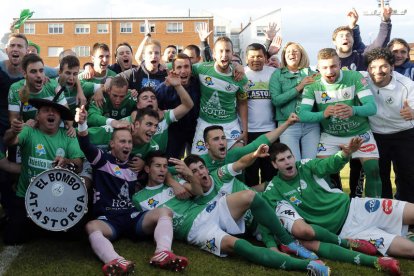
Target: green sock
<point>373,186</point>
<point>265,216</point>
<point>337,253</point>
<point>324,235</point>
<point>267,257</point>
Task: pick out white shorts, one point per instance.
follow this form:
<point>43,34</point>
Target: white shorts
<point>86,170</point>
<point>287,214</point>
<point>212,224</point>
<point>231,130</point>
<point>378,221</point>
<point>329,145</point>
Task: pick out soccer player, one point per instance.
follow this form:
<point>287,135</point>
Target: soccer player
<point>343,103</point>
<point>210,226</point>
<point>114,185</point>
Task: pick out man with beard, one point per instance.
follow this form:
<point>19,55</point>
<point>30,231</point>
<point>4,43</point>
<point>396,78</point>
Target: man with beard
<point>351,52</point>
<point>343,103</point>
<point>222,98</point>
<point>401,51</point>
<point>393,124</point>
<point>39,146</point>
<point>100,60</point>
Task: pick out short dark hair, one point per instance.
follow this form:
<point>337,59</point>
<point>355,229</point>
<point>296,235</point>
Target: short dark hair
<point>194,48</point>
<point>123,44</point>
<point>380,53</point>
<point>153,154</point>
<point>339,29</point>
<point>116,130</point>
<point>171,46</point>
<point>147,111</point>
<point>29,59</point>
<point>193,158</point>
<point>71,61</point>
<point>210,128</point>
<point>146,89</point>
<point>277,148</point>
<point>224,39</point>
<point>180,56</point>
<point>256,47</point>
<point>118,81</point>
<point>19,35</point>
<point>98,45</point>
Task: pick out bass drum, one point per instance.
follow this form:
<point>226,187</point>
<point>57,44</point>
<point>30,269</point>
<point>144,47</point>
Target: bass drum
<point>56,199</point>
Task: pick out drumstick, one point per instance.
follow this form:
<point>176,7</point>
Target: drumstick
<point>24,95</point>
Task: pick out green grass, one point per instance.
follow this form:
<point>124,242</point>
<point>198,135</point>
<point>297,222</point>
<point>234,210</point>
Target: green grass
<point>55,257</point>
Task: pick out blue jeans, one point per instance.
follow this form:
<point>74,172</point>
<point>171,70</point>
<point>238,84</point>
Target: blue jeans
<point>302,139</point>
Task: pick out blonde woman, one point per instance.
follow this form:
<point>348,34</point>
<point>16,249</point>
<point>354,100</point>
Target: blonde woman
<point>286,87</point>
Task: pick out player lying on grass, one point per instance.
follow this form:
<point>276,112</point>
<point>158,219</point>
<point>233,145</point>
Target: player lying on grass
<point>114,185</point>
<point>383,222</point>
<point>212,226</point>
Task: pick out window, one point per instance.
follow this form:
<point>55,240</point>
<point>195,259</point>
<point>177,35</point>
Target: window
<point>54,51</point>
<point>56,28</point>
<point>82,51</point>
<point>260,30</point>
<point>175,27</point>
<point>82,28</point>
<point>220,30</point>
<point>103,28</point>
<point>198,25</point>
<point>142,28</point>
<point>126,27</point>
<point>29,28</point>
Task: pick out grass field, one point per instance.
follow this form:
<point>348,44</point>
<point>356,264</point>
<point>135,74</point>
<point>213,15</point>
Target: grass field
<point>56,257</point>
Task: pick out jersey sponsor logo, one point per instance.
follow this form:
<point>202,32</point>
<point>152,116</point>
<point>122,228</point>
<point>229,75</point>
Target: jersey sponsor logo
<point>337,126</point>
<point>378,243</point>
<point>234,134</point>
<point>259,95</point>
<point>211,245</point>
<point>321,148</point>
<point>124,192</point>
<point>200,146</point>
<point>60,152</point>
<point>387,206</point>
<point>365,137</point>
<point>211,207</point>
<point>40,149</point>
<point>117,170</point>
<point>295,201</point>
<point>303,184</point>
<point>372,205</point>
<point>221,172</point>
<point>152,203</point>
<point>325,97</point>
<point>39,163</point>
<point>289,213</point>
<point>208,81</point>
<point>367,148</point>
<point>389,100</point>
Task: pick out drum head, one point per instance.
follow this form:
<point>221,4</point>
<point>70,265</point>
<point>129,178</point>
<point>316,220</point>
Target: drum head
<point>56,199</point>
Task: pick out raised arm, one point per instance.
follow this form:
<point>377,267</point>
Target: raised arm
<point>187,103</point>
<point>248,159</point>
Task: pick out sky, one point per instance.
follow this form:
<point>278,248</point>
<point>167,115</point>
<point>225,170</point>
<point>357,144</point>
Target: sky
<point>305,21</point>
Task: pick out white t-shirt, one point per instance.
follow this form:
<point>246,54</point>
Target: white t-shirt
<point>261,116</point>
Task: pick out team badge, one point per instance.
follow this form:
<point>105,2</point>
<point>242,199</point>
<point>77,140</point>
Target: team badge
<point>372,205</point>
<point>152,203</point>
<point>295,201</point>
<point>325,97</point>
<point>27,107</point>
<point>211,245</point>
<point>117,170</point>
<point>346,95</point>
<point>364,81</point>
<point>60,152</point>
<point>228,87</point>
<point>200,145</point>
<point>389,100</point>
<point>250,84</point>
<point>378,243</point>
<point>365,137</point>
<point>321,148</point>
<point>208,81</point>
<point>40,149</point>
